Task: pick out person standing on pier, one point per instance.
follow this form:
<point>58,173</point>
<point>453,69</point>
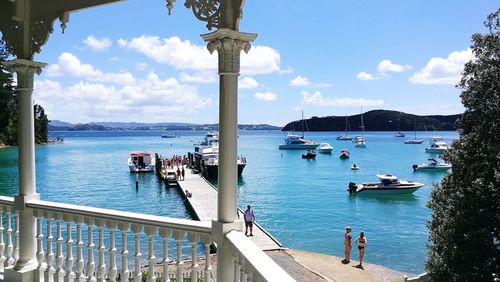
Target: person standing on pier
<point>249,219</point>
<point>361,241</point>
<point>178,173</point>
<point>347,245</point>
<point>183,172</point>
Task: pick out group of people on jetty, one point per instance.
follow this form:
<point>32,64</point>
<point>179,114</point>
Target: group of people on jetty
<point>175,161</point>
<point>361,242</point>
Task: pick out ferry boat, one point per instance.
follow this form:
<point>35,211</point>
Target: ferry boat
<point>141,162</point>
<point>433,165</point>
<point>325,148</point>
<point>344,154</point>
<point>388,184</point>
<point>436,145</point>
<point>296,142</point>
<point>210,162</point>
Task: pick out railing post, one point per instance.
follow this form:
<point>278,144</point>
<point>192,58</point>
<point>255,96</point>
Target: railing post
<point>39,246</point>
<point>165,235</point>
<point>90,250</point>
<point>229,44</point>
<point>112,270</point>
<point>136,228</point>
<point>125,272</point>
<point>207,241</point>
<point>150,231</point>
<point>49,254</point>
<point>178,236</point>
<point>26,263</point>
<point>193,239</point>
<point>2,244</point>
<point>101,267</point>
<point>80,263</point>
<point>70,274</point>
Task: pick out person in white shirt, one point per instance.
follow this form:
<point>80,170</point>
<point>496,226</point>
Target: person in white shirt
<point>249,219</point>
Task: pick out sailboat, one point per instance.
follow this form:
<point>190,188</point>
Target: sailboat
<point>345,137</point>
<point>399,133</point>
<point>414,140</point>
<point>359,141</point>
<point>297,142</point>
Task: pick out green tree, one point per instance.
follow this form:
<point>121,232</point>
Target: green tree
<point>465,223</point>
<point>6,94</point>
<point>41,125</point>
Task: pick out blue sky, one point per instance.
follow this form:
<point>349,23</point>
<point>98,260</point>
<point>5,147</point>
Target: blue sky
<point>130,61</point>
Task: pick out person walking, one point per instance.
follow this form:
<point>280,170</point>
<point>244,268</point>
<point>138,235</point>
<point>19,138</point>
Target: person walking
<point>178,173</point>
<point>183,172</point>
<point>347,245</point>
<point>361,241</point>
<point>249,219</point>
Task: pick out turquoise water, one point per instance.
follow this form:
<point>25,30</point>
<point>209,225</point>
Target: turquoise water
<point>303,203</point>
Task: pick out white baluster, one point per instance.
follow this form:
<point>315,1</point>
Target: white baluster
<point>101,268</point>
<point>16,237</point>
<point>125,273</point>
<point>8,234</point>
<point>178,236</point>
<point>112,270</point>
<point>2,244</point>
<point>207,241</point>
<point>70,274</point>
<point>80,263</point>
<point>150,231</point>
<point>165,235</point>
<point>193,239</point>
<point>49,254</point>
<point>136,228</point>
<point>90,250</point>
<point>39,243</point>
<point>59,252</point>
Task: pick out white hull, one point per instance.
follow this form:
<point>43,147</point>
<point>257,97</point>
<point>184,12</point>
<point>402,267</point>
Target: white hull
<point>344,138</point>
<point>414,141</point>
<point>435,150</point>
<point>149,168</point>
<point>325,151</point>
<point>360,145</point>
<point>387,191</point>
<point>298,146</point>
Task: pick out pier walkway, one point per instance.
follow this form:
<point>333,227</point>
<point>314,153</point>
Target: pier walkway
<point>203,203</point>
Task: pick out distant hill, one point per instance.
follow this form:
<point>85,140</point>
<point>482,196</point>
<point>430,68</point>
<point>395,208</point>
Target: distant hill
<point>57,125</point>
<point>376,120</point>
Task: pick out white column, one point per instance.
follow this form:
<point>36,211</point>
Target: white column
<point>229,44</point>
<point>26,262</point>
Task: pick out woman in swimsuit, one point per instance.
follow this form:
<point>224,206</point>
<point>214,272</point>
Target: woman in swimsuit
<point>361,241</point>
<point>347,245</point>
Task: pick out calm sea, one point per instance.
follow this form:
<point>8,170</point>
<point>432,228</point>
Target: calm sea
<point>303,203</point>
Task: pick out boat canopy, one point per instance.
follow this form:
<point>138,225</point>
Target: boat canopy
<point>387,176</point>
<point>139,154</point>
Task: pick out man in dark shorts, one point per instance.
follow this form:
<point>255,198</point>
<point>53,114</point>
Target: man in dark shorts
<point>249,219</point>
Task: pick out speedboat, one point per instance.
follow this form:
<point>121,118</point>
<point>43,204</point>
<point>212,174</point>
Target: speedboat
<point>296,142</point>
<point>141,162</point>
<point>388,184</point>
<point>354,167</point>
<point>436,145</point>
<point>359,142</point>
<point>311,155</point>
<point>433,165</point>
<point>344,154</point>
<point>325,148</point>
<point>168,135</point>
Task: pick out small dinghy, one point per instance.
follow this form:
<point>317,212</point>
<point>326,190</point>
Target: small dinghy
<point>354,167</point>
<point>311,155</point>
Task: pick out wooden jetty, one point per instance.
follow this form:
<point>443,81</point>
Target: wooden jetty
<point>203,203</point>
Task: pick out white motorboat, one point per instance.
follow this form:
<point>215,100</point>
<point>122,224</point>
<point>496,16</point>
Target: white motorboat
<point>344,154</point>
<point>359,142</point>
<point>169,135</point>
<point>436,145</point>
<point>433,165</point>
<point>389,184</point>
<point>296,142</point>
<point>345,137</point>
<point>325,148</point>
<point>141,162</point>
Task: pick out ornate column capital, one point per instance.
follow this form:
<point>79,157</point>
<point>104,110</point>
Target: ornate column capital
<point>229,44</point>
<point>25,70</point>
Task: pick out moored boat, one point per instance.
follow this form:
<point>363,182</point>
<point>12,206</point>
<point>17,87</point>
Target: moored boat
<point>296,142</point>
<point>311,155</point>
<point>141,162</point>
<point>436,145</point>
<point>344,154</point>
<point>169,135</point>
<point>359,142</point>
<point>414,140</point>
<point>354,167</point>
<point>345,137</point>
<point>399,134</point>
<point>389,184</point>
<point>325,148</point>
<point>433,165</point>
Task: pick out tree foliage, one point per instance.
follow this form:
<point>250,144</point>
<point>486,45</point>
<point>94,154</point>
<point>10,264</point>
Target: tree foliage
<point>8,108</point>
<point>465,223</point>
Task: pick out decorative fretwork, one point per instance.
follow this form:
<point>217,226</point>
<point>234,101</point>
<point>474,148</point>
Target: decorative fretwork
<point>206,10</point>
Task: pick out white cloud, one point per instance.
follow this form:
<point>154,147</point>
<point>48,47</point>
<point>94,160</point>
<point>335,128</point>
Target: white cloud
<point>443,70</point>
<point>184,55</point>
<point>265,96</point>
<point>69,64</point>
<point>141,66</point>
<point>365,76</point>
<point>97,44</point>
<point>200,77</point>
<point>386,66</point>
<point>318,100</point>
<point>247,83</point>
<point>299,81</point>
<point>150,99</point>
